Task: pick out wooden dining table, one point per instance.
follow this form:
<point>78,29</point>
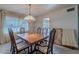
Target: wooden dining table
<point>32,38</point>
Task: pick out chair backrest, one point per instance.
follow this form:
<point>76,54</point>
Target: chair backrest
<point>39,30</point>
<point>22,30</point>
<point>45,31</point>
<point>51,40</point>
<point>13,42</point>
<point>58,36</point>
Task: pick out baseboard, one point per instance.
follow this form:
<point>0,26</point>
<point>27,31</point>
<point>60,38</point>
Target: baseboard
<point>71,47</point>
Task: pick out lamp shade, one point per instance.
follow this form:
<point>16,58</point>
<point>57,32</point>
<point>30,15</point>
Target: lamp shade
<point>29,18</point>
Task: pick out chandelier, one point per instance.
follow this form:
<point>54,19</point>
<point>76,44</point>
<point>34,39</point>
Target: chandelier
<point>29,17</point>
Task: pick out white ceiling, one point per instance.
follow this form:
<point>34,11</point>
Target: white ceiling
<point>37,9</point>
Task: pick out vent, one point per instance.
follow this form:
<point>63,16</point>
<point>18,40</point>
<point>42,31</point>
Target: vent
<point>70,9</point>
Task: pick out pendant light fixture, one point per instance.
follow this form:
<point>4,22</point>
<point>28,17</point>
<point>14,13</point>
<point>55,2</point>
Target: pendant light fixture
<point>29,17</point>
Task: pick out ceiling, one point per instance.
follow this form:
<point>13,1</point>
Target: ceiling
<point>36,9</point>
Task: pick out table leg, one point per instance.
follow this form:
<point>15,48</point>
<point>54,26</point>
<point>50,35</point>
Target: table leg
<point>31,48</point>
<point>35,48</point>
<point>28,50</point>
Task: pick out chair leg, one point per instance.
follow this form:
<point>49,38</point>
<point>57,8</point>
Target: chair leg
<point>52,51</point>
<point>28,50</point>
<point>35,48</point>
<point>31,47</point>
<point>11,49</point>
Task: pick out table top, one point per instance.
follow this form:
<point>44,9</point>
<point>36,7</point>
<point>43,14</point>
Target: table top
<point>32,37</point>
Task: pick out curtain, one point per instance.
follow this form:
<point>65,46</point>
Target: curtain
<point>2,17</point>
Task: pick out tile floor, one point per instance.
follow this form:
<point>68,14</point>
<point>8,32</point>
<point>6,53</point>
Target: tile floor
<point>5,49</point>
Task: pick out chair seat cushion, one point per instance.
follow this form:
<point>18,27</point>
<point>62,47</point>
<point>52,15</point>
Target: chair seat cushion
<point>22,45</point>
<point>43,49</point>
<point>19,41</point>
<point>43,44</point>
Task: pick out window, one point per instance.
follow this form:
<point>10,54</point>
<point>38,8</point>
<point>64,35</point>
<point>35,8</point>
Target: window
<point>46,25</point>
<point>14,23</point>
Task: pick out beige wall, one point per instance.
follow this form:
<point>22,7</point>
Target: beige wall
<point>61,19</point>
<point>58,18</point>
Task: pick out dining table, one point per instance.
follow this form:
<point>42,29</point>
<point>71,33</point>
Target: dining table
<point>32,38</point>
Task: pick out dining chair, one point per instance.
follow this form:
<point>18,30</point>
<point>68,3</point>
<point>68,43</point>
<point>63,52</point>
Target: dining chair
<point>18,39</point>
<point>16,48</point>
<point>39,30</point>
<point>58,36</point>
<point>22,30</point>
<point>45,33</point>
<point>49,48</point>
